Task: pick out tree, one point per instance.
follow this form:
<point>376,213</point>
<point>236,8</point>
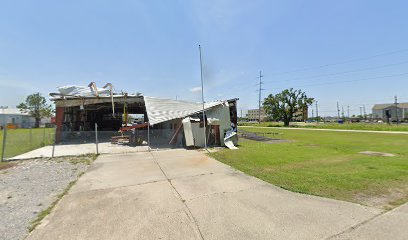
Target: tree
<point>286,105</point>
<point>36,105</point>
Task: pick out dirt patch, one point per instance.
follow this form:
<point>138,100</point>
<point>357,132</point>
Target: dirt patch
<point>392,198</point>
<point>7,165</point>
<point>262,137</point>
<point>379,154</point>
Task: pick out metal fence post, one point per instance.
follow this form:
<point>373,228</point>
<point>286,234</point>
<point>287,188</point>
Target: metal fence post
<point>43,136</point>
<point>4,144</point>
<point>148,136</point>
<point>31,138</point>
<point>55,140</point>
<point>96,138</point>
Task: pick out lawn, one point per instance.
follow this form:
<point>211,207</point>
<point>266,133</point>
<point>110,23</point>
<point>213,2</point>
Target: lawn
<point>350,126</point>
<point>328,164</point>
<point>19,141</point>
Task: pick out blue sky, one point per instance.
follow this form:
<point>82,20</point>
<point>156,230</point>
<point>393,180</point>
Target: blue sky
<point>354,52</point>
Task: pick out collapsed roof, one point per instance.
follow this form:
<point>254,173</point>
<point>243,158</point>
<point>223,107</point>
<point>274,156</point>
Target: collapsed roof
<point>158,109</point>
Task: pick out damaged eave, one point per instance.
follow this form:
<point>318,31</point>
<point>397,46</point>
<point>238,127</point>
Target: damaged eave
<point>73,102</point>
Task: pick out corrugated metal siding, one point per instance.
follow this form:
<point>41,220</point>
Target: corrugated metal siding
<point>162,110</point>
<point>222,113</point>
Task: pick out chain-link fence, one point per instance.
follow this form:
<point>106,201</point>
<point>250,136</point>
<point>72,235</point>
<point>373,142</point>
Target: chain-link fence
<point>15,142</point>
<point>50,142</point>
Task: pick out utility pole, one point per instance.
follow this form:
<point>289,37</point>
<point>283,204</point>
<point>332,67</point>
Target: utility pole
<point>396,108</point>
<point>202,97</point>
<point>342,111</point>
<point>317,113</point>
<point>348,111</point>
<point>361,111</point>
<point>364,111</point>
<point>260,95</point>
<point>312,114</point>
<point>241,113</point>
<point>338,111</point>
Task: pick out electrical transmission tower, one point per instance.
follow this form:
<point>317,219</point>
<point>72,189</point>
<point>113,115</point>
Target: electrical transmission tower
<point>260,95</point>
<point>396,108</point>
<point>338,110</point>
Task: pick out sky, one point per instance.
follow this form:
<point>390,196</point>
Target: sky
<point>351,52</point>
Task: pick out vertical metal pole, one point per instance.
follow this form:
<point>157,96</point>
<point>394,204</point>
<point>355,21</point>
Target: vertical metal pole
<point>31,138</point>
<point>55,140</point>
<point>4,143</point>
<point>202,97</point>
<point>96,138</point>
<point>43,136</point>
<point>148,136</point>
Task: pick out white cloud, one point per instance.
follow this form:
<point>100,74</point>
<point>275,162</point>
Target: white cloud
<point>195,89</point>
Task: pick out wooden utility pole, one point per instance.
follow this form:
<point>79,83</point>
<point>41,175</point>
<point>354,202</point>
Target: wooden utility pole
<point>317,113</point>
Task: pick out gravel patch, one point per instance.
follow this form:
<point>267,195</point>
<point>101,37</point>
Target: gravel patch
<point>29,188</point>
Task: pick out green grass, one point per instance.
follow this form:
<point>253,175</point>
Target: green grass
<point>20,141</point>
<point>328,164</point>
<point>349,126</point>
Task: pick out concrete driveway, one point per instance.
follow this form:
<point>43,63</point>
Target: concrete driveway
<point>181,194</point>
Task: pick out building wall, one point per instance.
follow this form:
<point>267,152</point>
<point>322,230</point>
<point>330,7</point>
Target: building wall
<point>381,113</point>
<point>20,120</point>
<point>253,115</point>
<point>221,113</point>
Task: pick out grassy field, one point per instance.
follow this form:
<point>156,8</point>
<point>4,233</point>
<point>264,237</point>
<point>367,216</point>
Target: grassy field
<point>19,141</point>
<point>328,164</point>
<point>350,126</point>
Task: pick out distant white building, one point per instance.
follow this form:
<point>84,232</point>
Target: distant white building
<point>390,111</point>
<point>13,116</point>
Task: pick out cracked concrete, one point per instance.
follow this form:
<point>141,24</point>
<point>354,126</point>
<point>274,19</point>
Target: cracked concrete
<point>181,194</point>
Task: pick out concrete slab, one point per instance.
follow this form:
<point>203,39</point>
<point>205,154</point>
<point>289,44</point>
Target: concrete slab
<point>111,171</point>
<point>270,213</point>
<point>216,183</point>
<point>149,211</point>
<point>391,225</point>
<point>182,163</point>
<point>79,149</point>
<point>129,197</point>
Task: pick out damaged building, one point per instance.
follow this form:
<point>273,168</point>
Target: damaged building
<point>135,119</point>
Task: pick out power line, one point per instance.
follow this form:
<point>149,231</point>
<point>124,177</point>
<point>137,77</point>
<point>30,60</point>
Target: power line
<point>355,80</point>
<point>342,62</point>
<point>345,72</point>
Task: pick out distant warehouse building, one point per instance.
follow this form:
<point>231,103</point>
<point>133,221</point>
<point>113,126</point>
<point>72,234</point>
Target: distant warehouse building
<point>390,111</point>
<point>253,115</point>
<point>14,118</point>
